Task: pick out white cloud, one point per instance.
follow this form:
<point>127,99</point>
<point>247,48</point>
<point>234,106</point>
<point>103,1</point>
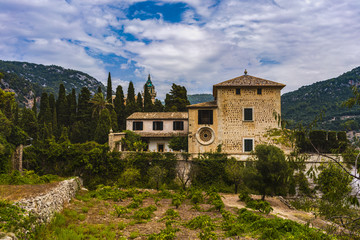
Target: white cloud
<point>308,40</point>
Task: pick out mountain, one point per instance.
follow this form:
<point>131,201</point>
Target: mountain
<point>304,104</point>
<point>199,98</point>
<point>29,79</point>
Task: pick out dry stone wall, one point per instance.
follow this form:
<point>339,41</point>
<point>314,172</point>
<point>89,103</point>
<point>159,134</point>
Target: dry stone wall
<point>46,205</point>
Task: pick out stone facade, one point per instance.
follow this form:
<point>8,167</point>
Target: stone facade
<point>242,112</point>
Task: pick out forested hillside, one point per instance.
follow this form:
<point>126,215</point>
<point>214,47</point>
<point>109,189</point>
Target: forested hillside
<point>199,98</point>
<point>304,104</point>
<point>29,79</point>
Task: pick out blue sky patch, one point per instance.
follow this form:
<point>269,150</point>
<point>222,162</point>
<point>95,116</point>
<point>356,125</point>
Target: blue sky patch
<point>170,12</point>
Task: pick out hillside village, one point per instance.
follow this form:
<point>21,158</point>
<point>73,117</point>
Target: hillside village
<point>208,170</point>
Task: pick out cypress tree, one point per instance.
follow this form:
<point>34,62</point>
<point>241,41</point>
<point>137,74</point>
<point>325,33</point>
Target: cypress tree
<point>71,99</point>
<point>148,104</point>
<point>85,122</point>
<point>103,127</point>
<point>45,115</point>
<point>16,114</point>
<point>114,124</point>
<point>54,123</point>
<point>109,90</point>
<point>130,94</point>
<point>29,122</point>
<point>99,90</point>
<point>84,106</point>
<point>131,105</point>
<point>120,108</point>
<point>34,106</point>
<point>62,108</point>
<point>139,103</point>
<point>52,102</point>
<point>8,110</point>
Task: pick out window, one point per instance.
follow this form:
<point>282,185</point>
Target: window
<point>137,126</point>
<point>259,91</point>
<point>248,114</point>
<point>158,125</point>
<point>178,125</point>
<point>160,147</point>
<point>205,117</point>
<point>248,145</point>
<point>238,91</point>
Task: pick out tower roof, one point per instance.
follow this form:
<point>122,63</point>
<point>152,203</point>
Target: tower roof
<point>247,81</point>
<point>148,82</point>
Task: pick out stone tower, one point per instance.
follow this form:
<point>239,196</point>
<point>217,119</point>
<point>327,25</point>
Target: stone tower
<point>242,112</point>
<point>151,88</point>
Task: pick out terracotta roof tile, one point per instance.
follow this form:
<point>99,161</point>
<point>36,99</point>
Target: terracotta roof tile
<point>211,104</point>
<point>161,134</point>
<point>158,115</point>
<point>249,81</point>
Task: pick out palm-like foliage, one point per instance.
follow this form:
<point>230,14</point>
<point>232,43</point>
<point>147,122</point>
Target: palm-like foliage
<point>99,104</point>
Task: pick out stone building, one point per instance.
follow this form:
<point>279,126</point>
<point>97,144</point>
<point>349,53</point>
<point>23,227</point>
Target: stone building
<point>242,112</point>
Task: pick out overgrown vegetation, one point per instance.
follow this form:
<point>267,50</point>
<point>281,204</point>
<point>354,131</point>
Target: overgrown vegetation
<point>27,177</point>
<point>203,223</point>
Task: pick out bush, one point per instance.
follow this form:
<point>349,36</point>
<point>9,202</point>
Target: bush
<point>144,213</point>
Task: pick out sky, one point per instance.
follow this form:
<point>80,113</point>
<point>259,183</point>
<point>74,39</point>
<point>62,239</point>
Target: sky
<point>193,43</point>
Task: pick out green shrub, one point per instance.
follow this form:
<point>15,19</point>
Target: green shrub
<point>120,210</point>
<point>144,213</point>
<point>200,222</point>
<point>260,205</point>
<point>196,196</point>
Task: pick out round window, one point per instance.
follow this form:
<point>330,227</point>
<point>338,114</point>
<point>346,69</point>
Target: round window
<point>205,135</point>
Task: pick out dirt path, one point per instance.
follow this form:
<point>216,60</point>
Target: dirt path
<point>280,210</point>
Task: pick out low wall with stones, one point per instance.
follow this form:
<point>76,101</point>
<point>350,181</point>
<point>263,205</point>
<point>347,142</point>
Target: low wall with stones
<point>46,205</point>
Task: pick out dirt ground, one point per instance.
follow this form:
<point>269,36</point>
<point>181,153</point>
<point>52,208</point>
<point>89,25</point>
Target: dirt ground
<point>17,192</point>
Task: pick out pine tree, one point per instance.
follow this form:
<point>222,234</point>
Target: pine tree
<point>148,104</point>
<point>120,108</point>
<point>176,100</point>
<point>62,108</point>
<point>103,127</point>
<point>109,90</point>
<point>139,103</point>
<point>158,106</point>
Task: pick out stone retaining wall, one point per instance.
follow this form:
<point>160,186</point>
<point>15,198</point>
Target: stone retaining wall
<point>46,205</point>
